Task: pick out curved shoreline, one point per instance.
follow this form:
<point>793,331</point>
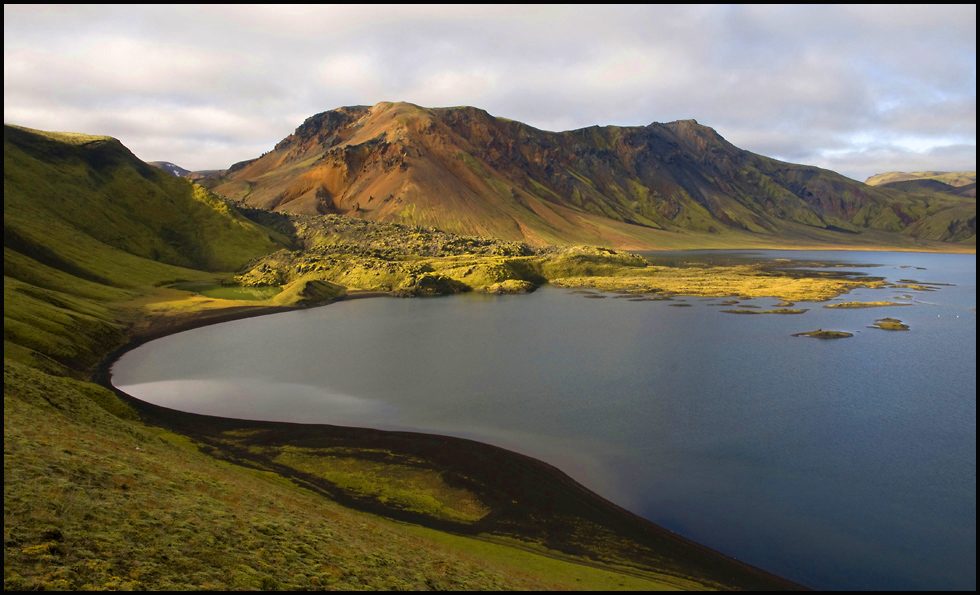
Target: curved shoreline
<point>547,486</point>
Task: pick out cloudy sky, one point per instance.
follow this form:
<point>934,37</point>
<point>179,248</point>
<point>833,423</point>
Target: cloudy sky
<point>859,90</point>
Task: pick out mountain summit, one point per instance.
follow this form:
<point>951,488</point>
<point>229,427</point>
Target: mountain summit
<point>462,170</point>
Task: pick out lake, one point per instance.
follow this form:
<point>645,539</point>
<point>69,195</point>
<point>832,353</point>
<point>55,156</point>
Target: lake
<point>839,464</point>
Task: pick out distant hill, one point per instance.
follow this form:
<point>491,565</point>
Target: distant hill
<point>967,190</point>
<point>932,185</point>
<point>953,178</point>
<point>180,172</point>
<point>923,185</point>
<point>204,173</point>
<point>103,197</point>
<point>662,185</point>
<point>170,168</point>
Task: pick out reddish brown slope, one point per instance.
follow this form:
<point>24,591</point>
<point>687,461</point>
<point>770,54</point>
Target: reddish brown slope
<point>462,170</point>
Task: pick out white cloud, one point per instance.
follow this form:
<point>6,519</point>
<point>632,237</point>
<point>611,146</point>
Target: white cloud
<point>796,82</point>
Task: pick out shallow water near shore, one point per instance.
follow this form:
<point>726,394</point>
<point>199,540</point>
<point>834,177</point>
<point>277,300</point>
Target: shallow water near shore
<point>838,464</point>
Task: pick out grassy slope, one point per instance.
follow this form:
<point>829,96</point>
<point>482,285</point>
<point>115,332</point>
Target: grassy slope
<point>94,497</point>
<point>97,193</point>
<point>87,228</point>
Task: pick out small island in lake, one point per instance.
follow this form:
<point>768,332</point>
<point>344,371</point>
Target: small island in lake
<point>865,304</point>
<point>780,311</point>
<point>890,324</point>
<point>822,334</point>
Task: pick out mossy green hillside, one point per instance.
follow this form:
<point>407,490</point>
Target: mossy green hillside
<point>95,188</point>
<point>88,228</point>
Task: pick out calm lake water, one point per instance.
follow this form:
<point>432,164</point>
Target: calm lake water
<point>843,464</point>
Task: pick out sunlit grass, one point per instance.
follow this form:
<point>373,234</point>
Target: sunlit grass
<point>230,292</point>
<point>413,488</point>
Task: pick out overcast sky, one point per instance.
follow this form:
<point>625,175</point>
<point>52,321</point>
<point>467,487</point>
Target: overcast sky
<point>860,90</point>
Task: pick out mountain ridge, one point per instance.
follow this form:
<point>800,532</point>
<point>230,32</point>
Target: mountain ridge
<point>466,171</point>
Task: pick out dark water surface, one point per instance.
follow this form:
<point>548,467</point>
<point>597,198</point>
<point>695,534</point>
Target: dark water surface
<point>838,464</point>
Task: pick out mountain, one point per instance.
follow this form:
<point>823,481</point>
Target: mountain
<point>170,168</point>
<point>662,185</point>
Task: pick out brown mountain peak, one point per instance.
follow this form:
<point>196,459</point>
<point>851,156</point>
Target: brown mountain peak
<point>465,171</point>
